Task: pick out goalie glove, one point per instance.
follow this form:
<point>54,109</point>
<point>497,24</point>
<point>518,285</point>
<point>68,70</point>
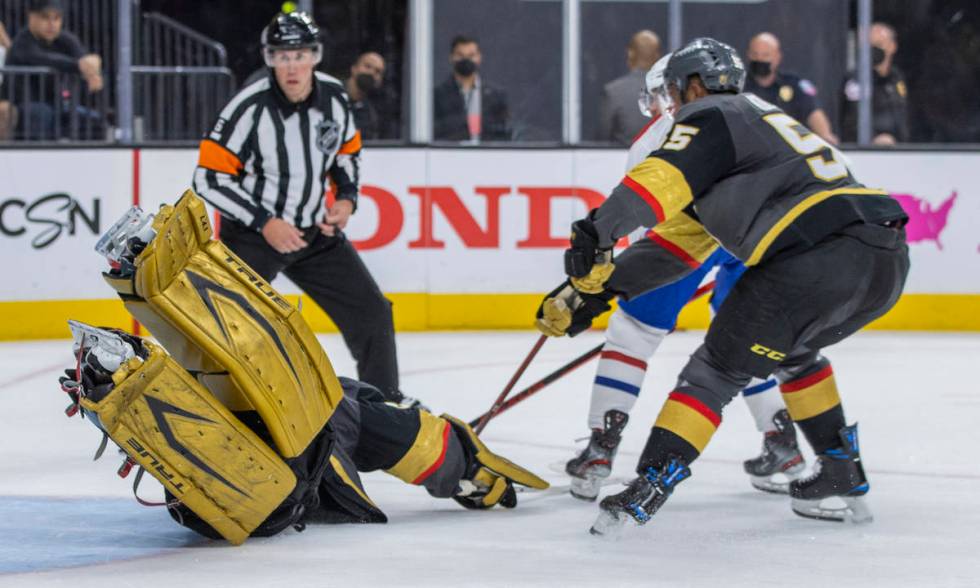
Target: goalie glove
<point>490,478</point>
<point>587,265</point>
<point>567,311</point>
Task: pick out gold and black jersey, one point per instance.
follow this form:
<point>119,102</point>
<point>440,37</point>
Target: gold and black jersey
<point>739,172</point>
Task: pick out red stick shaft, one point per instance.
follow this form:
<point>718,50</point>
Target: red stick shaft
<point>510,385</point>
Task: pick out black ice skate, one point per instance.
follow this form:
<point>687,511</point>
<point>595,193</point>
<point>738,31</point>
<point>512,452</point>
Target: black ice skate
<point>780,461</point>
<point>839,478</point>
<point>595,462</point>
<point>642,498</point>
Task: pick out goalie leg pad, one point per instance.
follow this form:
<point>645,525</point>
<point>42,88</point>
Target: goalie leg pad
<point>204,456</point>
<point>211,301</point>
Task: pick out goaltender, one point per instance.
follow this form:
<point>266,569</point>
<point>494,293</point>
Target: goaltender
<point>237,411</point>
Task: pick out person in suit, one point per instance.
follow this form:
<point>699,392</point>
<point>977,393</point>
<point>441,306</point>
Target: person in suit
<point>466,107</point>
<point>619,118</point>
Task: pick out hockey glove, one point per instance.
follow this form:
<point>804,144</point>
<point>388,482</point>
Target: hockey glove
<point>490,478</point>
<point>566,311</point>
<point>588,266</point>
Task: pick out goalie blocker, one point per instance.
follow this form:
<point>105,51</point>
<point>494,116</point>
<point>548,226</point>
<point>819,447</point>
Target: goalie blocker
<point>244,421</point>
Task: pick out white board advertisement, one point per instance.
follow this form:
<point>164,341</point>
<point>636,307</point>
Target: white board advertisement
<point>434,220</point>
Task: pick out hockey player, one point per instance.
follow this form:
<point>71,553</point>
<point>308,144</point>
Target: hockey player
<point>237,410</point>
<point>825,257</point>
<point>637,328</point>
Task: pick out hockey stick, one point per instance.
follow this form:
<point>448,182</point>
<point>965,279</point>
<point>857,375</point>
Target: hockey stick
<point>537,386</point>
<point>562,371</point>
<point>510,385</point>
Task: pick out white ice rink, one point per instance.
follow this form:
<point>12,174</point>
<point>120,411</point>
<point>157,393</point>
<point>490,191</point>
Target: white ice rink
<point>66,521</point>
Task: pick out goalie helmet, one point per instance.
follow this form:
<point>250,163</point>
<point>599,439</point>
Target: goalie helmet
<point>716,63</point>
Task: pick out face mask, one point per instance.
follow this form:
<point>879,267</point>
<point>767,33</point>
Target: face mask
<point>760,69</point>
<point>465,67</point>
<point>877,56</point>
<point>365,82</point>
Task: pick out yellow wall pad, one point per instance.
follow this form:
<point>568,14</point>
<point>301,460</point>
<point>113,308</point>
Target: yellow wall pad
<point>47,319</point>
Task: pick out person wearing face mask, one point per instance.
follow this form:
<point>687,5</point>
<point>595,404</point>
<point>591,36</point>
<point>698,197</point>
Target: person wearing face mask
<point>889,97</point>
<point>372,114</point>
<point>794,95</point>
<point>466,108</point>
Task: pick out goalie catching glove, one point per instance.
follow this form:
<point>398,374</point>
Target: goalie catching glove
<point>568,311</point>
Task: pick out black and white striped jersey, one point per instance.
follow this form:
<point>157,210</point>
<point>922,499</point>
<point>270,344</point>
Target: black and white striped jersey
<point>267,157</point>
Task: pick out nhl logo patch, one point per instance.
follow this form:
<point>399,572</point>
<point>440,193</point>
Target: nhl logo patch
<point>327,136</point>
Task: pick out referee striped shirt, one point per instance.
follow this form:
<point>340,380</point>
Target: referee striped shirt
<point>267,157</point>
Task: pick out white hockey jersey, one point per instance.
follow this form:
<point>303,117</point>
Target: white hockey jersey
<point>646,142</point>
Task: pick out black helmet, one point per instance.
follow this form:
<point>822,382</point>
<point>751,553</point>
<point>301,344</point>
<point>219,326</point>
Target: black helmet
<point>295,30</point>
<point>717,64</point>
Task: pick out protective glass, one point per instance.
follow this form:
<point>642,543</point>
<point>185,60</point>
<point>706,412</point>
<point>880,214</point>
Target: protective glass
<point>284,57</point>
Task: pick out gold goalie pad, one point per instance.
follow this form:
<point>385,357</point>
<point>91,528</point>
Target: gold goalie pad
<point>179,433</point>
<point>494,462</point>
<point>213,313</point>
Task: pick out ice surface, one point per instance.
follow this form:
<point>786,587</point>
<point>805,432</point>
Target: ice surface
<point>67,521</point>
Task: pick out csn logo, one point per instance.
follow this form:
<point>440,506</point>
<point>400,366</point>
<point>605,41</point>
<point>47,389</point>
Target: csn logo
<point>47,218</point>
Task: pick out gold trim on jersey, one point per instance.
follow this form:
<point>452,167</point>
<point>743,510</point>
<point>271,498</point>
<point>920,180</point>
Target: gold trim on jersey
<point>807,203</point>
<point>685,238</point>
<point>661,185</point>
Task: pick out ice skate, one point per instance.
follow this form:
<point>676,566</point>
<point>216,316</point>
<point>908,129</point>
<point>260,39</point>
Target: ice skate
<point>839,479</point>
<point>642,498</point>
<point>594,464</point>
<point>780,461</point>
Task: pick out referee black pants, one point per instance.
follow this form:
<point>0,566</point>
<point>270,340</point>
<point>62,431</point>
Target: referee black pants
<point>331,272</point>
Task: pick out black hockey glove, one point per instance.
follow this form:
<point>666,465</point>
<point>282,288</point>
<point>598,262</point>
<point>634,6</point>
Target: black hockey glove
<point>566,311</point>
<point>588,266</point>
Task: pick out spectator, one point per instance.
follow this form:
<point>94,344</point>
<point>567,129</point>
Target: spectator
<point>795,95</point>
<point>373,114</point>
<point>889,96</point>
<point>45,44</point>
<point>619,118</point>
<point>8,114</point>
<point>466,108</point>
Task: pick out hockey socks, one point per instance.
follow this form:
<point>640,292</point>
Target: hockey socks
<point>813,403</point>
<point>683,428</point>
<point>764,401</point>
<point>622,366</point>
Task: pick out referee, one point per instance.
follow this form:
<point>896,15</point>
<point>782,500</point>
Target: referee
<point>265,167</point>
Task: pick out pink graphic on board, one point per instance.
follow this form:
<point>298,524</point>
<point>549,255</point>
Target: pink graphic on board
<point>925,222</point>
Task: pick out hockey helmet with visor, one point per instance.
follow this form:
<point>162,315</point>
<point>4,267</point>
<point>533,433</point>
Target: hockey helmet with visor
<point>291,37</point>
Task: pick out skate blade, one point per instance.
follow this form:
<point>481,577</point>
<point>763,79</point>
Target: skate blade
<point>778,483</point>
<point>608,525</point>
<point>854,511</point>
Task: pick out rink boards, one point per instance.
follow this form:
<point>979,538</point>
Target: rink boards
<point>458,238</point>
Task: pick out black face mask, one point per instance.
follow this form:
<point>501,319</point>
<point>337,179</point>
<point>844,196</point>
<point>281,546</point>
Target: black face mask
<point>464,67</point>
<point>877,56</point>
<point>365,83</point>
<point>760,69</point>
